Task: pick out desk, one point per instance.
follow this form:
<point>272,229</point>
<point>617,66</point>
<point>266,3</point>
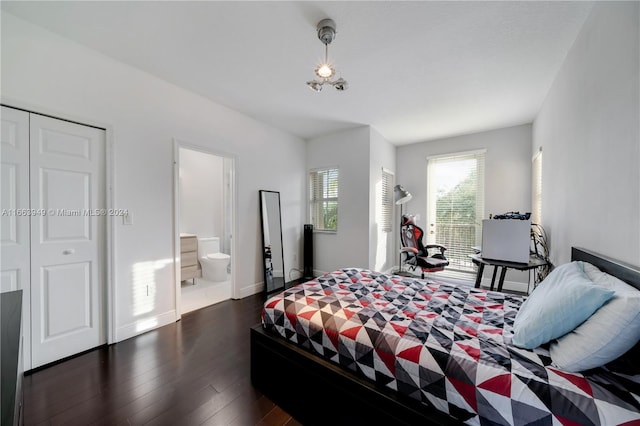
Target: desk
<point>534,262</point>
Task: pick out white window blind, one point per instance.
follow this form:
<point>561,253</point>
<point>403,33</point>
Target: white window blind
<point>536,189</point>
<point>323,199</point>
<point>455,196</point>
<point>386,201</point>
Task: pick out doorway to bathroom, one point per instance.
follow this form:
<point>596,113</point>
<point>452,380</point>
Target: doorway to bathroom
<point>204,220</point>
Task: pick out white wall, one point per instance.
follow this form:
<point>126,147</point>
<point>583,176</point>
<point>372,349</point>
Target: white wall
<point>507,172</point>
<point>201,194</point>
<point>381,244</point>
<point>588,130</point>
<point>360,154</point>
<point>143,114</point>
<point>349,247</point>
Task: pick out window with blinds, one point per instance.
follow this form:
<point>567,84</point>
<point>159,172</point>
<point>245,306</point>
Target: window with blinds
<point>536,189</point>
<point>455,197</point>
<point>386,201</point>
<point>323,199</point>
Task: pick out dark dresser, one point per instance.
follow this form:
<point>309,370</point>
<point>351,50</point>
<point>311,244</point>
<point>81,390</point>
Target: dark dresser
<point>11,366</point>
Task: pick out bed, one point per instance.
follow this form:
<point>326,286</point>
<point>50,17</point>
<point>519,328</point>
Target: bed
<point>359,347</point>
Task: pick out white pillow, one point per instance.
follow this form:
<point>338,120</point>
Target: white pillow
<point>607,334</point>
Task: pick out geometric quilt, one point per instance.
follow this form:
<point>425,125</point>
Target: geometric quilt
<point>447,346</point>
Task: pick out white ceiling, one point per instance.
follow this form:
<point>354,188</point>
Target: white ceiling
<point>418,70</point>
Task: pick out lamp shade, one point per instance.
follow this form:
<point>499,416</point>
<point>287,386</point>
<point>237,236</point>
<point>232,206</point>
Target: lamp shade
<point>401,195</point>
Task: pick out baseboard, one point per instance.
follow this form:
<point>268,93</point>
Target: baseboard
<point>259,287</point>
<point>516,286</point>
<point>144,325</point>
<point>251,290</point>
<point>513,286</point>
<point>317,273</point>
<point>294,274</point>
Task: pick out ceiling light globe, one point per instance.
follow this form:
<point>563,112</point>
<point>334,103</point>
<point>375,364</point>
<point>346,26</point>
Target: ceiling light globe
<point>325,71</point>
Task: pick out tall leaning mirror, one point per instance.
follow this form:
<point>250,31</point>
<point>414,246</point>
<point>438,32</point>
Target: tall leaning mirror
<point>272,250</point>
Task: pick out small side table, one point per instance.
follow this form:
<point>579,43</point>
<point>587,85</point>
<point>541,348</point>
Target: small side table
<point>534,262</point>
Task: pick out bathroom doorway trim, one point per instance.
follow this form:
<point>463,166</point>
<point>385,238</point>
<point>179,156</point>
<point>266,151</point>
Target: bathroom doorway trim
<point>177,144</point>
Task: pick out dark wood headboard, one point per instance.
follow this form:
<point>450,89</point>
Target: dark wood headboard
<point>623,271</point>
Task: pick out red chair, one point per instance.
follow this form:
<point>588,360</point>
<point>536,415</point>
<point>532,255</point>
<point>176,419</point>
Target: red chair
<point>429,258</point>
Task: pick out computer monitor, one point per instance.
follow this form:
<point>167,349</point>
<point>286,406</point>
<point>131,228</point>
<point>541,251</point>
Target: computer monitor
<point>506,239</point>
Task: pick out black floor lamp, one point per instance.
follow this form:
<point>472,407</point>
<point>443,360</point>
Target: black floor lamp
<point>400,196</point>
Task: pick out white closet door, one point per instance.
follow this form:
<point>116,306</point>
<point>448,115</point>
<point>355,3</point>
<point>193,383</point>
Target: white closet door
<point>14,202</point>
<point>14,230</point>
<point>67,243</point>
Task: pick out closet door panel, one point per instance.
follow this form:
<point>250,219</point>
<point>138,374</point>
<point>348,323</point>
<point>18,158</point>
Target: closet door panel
<point>67,181</point>
<point>68,195</point>
<point>14,221</point>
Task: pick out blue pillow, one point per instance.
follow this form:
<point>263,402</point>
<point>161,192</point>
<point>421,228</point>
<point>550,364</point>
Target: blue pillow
<point>561,302</point>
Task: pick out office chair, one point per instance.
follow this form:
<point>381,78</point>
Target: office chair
<point>416,254</point>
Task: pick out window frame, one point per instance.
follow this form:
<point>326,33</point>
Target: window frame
<point>479,154</point>
<point>536,188</point>
<point>386,204</point>
<point>316,203</point>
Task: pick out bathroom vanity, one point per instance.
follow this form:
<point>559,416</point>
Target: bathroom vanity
<point>189,267</point>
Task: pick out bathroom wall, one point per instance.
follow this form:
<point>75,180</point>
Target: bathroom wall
<point>201,194</point>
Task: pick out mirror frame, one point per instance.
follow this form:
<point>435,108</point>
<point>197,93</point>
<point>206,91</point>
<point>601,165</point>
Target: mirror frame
<point>266,255</point>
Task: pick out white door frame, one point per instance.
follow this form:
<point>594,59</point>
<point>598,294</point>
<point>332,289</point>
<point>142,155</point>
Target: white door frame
<point>177,144</point>
<point>109,267</point>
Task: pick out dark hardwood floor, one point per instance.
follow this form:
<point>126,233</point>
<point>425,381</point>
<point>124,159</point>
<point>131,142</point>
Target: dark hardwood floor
<point>192,372</point>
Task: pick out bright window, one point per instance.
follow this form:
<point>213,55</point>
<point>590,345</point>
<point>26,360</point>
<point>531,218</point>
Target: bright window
<point>455,198</point>
<point>323,199</point>
<point>536,190</point>
<point>386,201</point>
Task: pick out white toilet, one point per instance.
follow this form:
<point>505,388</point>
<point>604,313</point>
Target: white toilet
<point>214,264</point>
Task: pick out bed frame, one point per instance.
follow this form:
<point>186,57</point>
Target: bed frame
<point>317,392</point>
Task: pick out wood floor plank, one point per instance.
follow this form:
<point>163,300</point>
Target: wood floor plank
<point>276,417</point>
<point>247,409</point>
<point>192,372</point>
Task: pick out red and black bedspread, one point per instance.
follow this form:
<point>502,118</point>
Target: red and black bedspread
<point>445,345</point>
